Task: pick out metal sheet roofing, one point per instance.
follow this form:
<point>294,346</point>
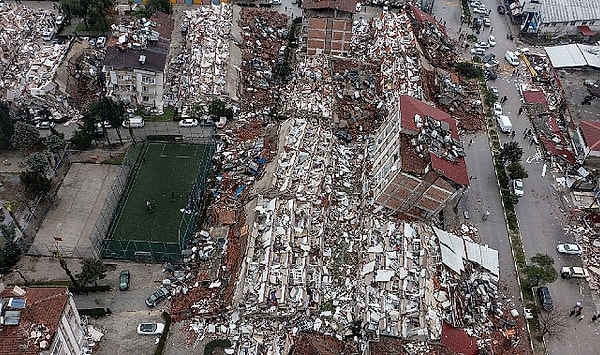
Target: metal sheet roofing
<point>574,55</point>
<point>570,10</point>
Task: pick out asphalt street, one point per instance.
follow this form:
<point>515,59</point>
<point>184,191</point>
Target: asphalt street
<point>541,211</point>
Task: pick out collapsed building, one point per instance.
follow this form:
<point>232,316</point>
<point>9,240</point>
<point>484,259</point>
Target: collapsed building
<point>327,26</point>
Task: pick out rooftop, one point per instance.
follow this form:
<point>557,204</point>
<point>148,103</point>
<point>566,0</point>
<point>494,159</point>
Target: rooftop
<point>435,131</point>
<point>344,5</point>
<point>570,10</point>
<point>37,321</point>
<point>591,134</point>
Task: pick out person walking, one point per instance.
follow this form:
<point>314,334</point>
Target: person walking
<point>594,317</point>
<point>581,317</point>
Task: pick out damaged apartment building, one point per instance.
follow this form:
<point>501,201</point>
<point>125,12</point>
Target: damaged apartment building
<point>328,26</point>
<point>418,160</point>
<point>135,61</point>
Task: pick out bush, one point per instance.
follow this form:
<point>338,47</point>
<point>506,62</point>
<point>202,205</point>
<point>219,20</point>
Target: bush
<point>95,312</point>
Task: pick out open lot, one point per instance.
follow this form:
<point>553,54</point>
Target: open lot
<point>74,211</point>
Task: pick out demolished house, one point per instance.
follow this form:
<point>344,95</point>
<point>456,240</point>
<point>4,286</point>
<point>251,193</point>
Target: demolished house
<point>135,61</point>
<point>419,162</point>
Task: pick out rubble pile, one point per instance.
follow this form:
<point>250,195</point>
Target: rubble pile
<point>266,57</point>
<point>586,235</point>
<point>84,69</point>
<point>436,45</point>
<point>28,68</point>
<point>200,68</point>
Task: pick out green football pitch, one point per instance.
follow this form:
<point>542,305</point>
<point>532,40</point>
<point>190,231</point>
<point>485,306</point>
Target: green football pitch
<point>165,177</point>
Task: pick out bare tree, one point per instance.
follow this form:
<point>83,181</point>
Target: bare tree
<point>553,323</point>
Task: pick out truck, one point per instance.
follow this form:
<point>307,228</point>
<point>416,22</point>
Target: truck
<point>568,272</point>
<point>504,123</point>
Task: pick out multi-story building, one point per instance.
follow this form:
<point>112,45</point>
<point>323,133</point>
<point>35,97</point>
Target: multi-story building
<point>327,25</point>
<point>136,59</point>
<point>40,320</point>
<point>418,161</point>
<point>558,17</point>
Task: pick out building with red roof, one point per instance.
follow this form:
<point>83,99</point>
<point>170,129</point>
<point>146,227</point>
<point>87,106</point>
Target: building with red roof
<point>590,134</point>
<point>39,320</point>
<point>419,162</point>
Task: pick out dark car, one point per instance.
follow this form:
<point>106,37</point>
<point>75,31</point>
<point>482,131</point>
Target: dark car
<point>501,10</point>
<point>124,280</point>
<point>490,74</point>
<point>488,56</point>
<point>545,298</point>
<point>157,297</point>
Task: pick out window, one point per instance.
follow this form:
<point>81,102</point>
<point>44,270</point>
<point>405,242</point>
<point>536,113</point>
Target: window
<point>553,24</point>
<point>58,347</point>
<point>144,88</point>
<point>583,23</point>
<point>573,23</point>
<point>147,79</point>
<point>592,23</point>
<point>145,98</point>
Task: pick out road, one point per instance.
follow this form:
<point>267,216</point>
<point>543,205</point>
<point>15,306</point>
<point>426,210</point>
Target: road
<point>540,211</point>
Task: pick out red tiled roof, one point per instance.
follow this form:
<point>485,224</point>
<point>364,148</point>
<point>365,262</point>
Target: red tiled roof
<point>409,106</point>
<point>585,31</point>
<point>591,134</point>
<point>457,340</point>
<point>536,96</point>
<point>44,306</point>
<point>319,344</point>
<point>421,16</point>
<point>344,5</point>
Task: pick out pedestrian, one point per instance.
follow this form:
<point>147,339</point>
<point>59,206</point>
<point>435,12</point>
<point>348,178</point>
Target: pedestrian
<point>594,317</point>
<point>504,98</point>
<point>572,313</point>
<point>577,305</point>
<point>507,36</point>
<point>520,110</point>
<point>491,29</point>
<point>173,196</point>
<point>470,142</point>
<point>513,134</point>
<point>530,142</point>
<point>525,132</point>
<point>581,317</point>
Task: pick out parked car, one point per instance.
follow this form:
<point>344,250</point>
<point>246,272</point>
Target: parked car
<point>45,125</point>
<point>478,51</point>
<point>490,74</point>
<point>188,122</point>
<point>487,22</point>
<point>134,122</point>
<point>488,56</point>
<point>48,34</point>
<point>124,280</point>
<point>501,10</point>
<point>545,299</point>
<point>221,122</point>
<point>512,58</point>
<point>492,41</point>
<point>482,44</point>
<point>517,187</point>
<point>497,108</point>
<point>491,64</point>
<point>150,328</point>
<point>157,297</point>
<point>568,272</point>
<point>494,90</point>
<point>569,248</point>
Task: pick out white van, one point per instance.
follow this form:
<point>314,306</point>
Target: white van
<point>134,122</point>
<point>504,123</point>
<point>512,58</point>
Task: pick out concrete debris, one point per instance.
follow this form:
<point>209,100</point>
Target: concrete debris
<point>584,229</point>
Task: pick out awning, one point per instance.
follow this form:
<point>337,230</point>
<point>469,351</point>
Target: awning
<point>585,30</point>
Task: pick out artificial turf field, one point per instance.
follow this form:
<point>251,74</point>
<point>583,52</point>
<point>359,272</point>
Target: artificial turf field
<point>165,169</point>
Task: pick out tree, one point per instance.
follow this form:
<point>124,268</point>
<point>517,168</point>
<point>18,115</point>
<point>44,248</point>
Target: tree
<point>153,6</point>
<point>469,70</point>
<point>553,323</point>
<point>91,11</point>
<point>217,108</point>
<point>541,270</point>
<point>38,162</point>
<point>512,152</point>
<point>55,143</point>
<point>25,136</point>
<point>9,255</point>
<point>35,183</point>
<point>92,270</point>
<point>81,139</point>
<point>106,109</point>
<point>6,125</point>
<point>516,171</point>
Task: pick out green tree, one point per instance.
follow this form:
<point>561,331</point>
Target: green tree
<point>6,125</point>
<point>92,270</point>
<point>81,139</point>
<point>10,252</point>
<point>38,162</point>
<point>469,70</point>
<point>91,11</point>
<point>217,108</point>
<point>106,109</point>
<point>516,171</point>
<point>512,152</point>
<point>153,6</point>
<point>540,270</point>
<point>55,143</point>
<point>35,183</point>
<point>25,136</point>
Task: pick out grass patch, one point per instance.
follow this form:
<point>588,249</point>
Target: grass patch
<point>168,115</point>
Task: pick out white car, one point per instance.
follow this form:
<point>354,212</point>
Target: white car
<point>482,45</point>
<point>221,122</point>
<point>491,64</point>
<point>517,187</point>
<point>492,41</point>
<point>477,51</point>
<point>150,328</point>
<point>487,22</point>
<point>100,42</point>
<point>45,125</point>
<point>494,90</point>
<point>497,109</point>
<point>569,248</point>
<point>188,122</point>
